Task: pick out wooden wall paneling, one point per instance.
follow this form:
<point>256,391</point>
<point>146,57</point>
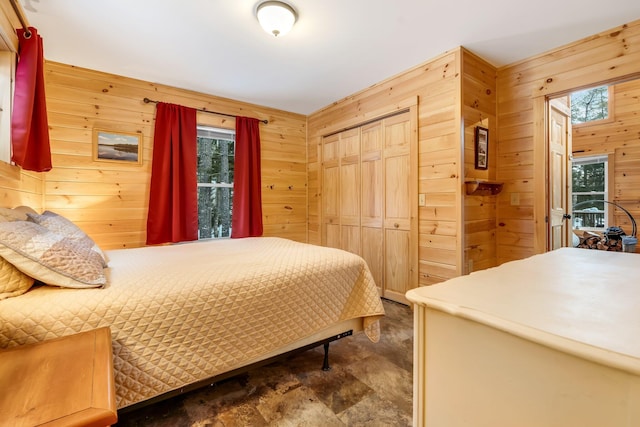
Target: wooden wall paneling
<point>436,86</point>
<point>522,88</point>
<point>479,109</point>
<point>109,200</point>
<point>20,188</point>
<point>619,138</point>
<point>626,186</point>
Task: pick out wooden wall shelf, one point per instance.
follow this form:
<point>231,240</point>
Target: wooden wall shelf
<point>483,188</point>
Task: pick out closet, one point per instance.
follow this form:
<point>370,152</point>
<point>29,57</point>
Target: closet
<point>369,199</point>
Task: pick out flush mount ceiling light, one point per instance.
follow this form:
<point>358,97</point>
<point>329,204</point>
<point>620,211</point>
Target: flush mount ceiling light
<point>276,17</point>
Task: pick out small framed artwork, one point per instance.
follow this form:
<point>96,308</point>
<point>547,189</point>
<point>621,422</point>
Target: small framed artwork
<point>121,147</point>
<point>482,147</point>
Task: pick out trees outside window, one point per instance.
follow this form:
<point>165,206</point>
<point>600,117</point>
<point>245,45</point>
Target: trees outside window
<point>589,105</point>
<point>216,155</point>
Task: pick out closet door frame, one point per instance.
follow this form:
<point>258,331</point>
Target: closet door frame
<point>333,222</point>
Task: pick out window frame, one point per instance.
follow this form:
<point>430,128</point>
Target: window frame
<point>606,209</point>
<point>7,87</point>
<point>222,132</point>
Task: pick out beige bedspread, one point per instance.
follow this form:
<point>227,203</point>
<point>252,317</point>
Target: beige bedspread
<point>180,314</point>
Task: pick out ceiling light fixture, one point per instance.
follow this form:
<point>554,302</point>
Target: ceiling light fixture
<point>276,17</point>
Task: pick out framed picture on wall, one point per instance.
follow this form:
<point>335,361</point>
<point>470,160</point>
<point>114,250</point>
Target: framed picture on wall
<point>121,147</point>
<point>482,147</point>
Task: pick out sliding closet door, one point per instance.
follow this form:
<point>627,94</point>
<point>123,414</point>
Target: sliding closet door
<point>400,209</point>
<point>372,199</point>
<point>331,192</point>
<point>369,199</point>
<point>350,191</point>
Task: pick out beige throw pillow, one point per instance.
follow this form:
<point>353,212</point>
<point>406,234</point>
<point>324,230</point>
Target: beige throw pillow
<point>13,282</point>
<point>50,257</point>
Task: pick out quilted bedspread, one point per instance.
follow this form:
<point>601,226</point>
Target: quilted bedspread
<point>183,313</point>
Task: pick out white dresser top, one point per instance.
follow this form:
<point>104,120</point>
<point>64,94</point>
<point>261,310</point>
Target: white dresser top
<point>584,302</point>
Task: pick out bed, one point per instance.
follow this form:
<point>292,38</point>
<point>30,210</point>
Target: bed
<point>183,314</point>
<point>551,340</point>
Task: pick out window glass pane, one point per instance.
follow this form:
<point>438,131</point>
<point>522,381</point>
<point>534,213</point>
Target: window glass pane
<point>589,184</point>
<point>590,104</point>
<point>588,177</point>
<point>216,155</point>
<point>215,160</point>
<point>588,214</point>
<point>214,212</point>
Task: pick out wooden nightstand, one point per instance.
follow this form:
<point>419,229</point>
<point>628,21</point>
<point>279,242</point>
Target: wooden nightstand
<point>60,382</point>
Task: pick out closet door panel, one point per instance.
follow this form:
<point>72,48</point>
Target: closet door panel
<point>397,191</point>
<point>350,192</point>
<point>373,253</point>
<point>332,236</point>
<point>330,223</point>
<point>400,171</point>
<point>372,193</point>
<point>397,250</point>
<point>350,238</point>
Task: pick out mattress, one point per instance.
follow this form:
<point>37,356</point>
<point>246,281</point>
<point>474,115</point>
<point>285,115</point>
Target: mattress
<point>183,313</point>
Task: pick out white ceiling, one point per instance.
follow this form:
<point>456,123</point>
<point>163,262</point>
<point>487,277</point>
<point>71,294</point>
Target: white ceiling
<point>336,48</point>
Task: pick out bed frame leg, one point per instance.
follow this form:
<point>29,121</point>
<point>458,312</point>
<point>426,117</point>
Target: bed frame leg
<point>325,363</point>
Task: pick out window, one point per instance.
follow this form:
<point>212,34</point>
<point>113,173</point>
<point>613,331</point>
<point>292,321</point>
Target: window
<point>590,182</point>
<point>216,154</point>
<point>590,104</point>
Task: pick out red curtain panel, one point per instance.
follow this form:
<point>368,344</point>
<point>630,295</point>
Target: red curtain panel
<point>173,196</point>
<point>29,126</point>
<point>246,220</point>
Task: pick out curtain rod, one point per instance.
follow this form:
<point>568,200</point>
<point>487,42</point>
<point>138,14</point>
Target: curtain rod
<point>204,110</point>
<point>21,18</point>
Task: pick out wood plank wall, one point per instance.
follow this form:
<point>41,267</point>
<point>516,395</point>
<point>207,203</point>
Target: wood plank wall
<point>109,200</point>
<point>522,87</point>
<point>18,187</point>
<point>618,137</point>
<point>437,86</point>
<point>479,109</point>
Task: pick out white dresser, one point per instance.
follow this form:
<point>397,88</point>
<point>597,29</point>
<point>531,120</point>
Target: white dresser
<point>553,340</point>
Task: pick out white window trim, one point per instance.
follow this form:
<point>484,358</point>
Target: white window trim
<point>586,161</point>
<point>204,131</point>
<point>7,71</point>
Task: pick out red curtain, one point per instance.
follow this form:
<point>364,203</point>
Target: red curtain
<point>246,220</point>
<point>173,197</point>
<point>29,126</point>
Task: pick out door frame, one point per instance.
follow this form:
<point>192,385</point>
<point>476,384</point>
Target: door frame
<point>541,155</point>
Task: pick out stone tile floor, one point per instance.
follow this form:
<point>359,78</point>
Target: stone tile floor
<point>368,385</point>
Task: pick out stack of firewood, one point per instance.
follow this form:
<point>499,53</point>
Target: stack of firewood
<point>591,240</point>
